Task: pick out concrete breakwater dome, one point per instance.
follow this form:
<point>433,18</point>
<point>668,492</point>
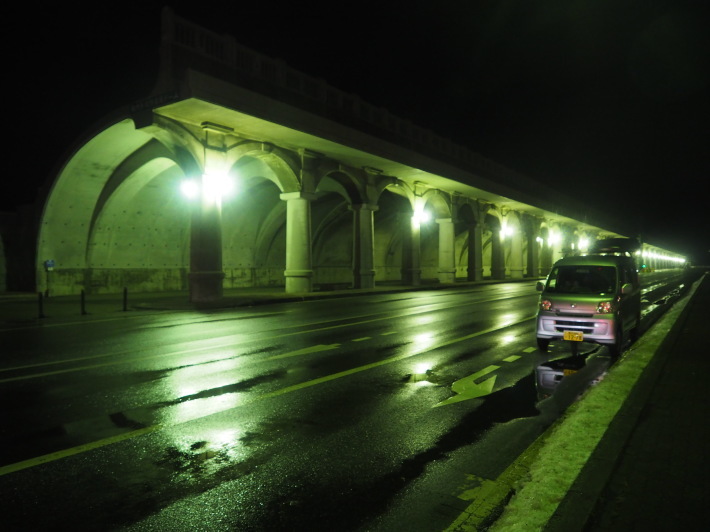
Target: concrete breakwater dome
<point>238,171</point>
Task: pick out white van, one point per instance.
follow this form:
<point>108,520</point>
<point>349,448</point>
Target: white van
<point>591,298</point>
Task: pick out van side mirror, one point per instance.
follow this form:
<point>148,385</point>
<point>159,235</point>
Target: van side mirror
<point>627,288</point>
<point>540,286</point>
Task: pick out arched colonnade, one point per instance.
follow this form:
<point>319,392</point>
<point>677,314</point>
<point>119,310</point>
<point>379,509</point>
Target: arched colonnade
<point>114,218</point>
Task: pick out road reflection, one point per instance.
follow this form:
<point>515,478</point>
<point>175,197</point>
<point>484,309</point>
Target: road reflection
<point>567,378</point>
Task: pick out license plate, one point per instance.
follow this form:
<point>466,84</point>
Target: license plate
<point>574,336</point>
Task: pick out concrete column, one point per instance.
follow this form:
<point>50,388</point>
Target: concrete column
<point>497,257</point>
<point>533,255</point>
<point>475,252</point>
<point>206,275</point>
<point>516,255</point>
<point>411,253</point>
<point>363,245</point>
<point>447,245</point>
<point>299,268</point>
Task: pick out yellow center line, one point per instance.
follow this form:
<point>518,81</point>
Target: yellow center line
<point>11,468</point>
<point>65,453</point>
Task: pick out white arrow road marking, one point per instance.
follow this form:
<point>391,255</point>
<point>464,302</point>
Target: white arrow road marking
<point>467,388</point>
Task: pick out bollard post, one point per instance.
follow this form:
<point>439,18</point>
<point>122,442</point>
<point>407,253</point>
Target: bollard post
<point>40,305</point>
<point>125,299</point>
<point>83,303</point>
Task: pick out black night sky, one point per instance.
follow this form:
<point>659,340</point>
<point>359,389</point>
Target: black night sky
<point>607,100</point>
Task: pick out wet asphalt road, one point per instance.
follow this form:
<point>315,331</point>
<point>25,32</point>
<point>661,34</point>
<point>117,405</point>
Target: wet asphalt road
<point>364,413</point>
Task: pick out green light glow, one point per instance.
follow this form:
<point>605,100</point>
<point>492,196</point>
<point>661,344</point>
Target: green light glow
<point>421,216</point>
<point>217,186</point>
<point>507,230</point>
<point>190,188</point>
<point>214,187</point>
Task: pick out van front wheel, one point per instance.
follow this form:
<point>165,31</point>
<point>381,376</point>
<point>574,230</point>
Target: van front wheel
<point>615,348</point>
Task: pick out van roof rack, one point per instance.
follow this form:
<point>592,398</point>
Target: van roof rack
<point>615,246</point>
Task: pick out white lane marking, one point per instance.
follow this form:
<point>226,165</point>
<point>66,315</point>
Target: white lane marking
<point>305,351</point>
<point>232,342</point>
<point>11,468</point>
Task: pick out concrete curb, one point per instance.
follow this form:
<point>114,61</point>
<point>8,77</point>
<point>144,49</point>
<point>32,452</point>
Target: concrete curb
<point>528,493</point>
<point>578,453</point>
<point>578,505</point>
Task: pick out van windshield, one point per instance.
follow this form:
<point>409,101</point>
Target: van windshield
<point>582,280</point>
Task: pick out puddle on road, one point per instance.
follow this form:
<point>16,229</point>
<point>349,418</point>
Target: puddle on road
<point>561,382</point>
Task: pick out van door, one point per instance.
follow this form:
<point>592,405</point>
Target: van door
<point>630,304</point>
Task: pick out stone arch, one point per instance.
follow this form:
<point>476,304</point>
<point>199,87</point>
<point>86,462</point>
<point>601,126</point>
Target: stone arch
<point>271,244</point>
<point>332,178</point>
<point>254,234</point>
<point>141,232</point>
<point>109,165</point>
<point>437,237</point>
<point>493,220</point>
<point>465,214</point>
<point>439,203</point>
<point>140,199</point>
<point>283,165</point>
<point>392,220</point>
<point>254,219</point>
<point>470,216</point>
<point>338,189</point>
<point>332,243</point>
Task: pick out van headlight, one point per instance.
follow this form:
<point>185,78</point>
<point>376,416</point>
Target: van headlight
<point>605,307</point>
<point>545,304</point>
